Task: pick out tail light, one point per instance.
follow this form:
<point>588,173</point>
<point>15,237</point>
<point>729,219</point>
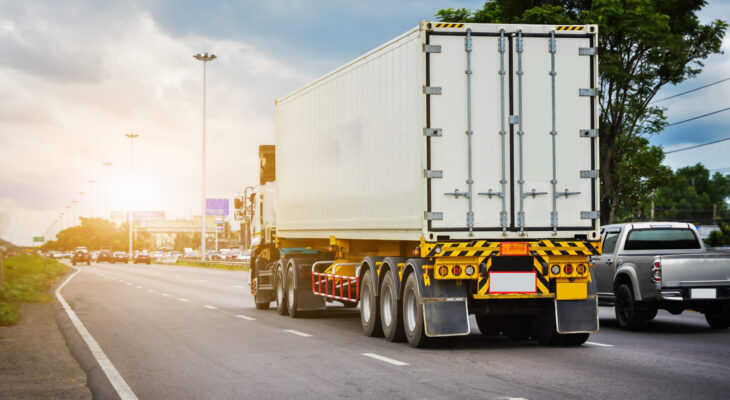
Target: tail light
<point>656,272</point>
<point>443,271</point>
<point>555,269</point>
<point>568,269</point>
<point>457,270</point>
<point>470,270</point>
<point>581,269</point>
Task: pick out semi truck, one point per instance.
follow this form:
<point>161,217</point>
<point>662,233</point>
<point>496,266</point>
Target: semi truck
<point>452,171</point>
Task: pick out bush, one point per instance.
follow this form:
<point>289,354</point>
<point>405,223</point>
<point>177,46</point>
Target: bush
<point>27,279</point>
<point>9,314</point>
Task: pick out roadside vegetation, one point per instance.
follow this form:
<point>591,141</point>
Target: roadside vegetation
<point>27,279</point>
<point>210,265</point>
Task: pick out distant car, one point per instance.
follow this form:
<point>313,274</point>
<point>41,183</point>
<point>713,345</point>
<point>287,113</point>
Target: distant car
<point>81,256</point>
<point>245,257</point>
<point>142,257</point>
<point>104,255</point>
<point>119,256</point>
<point>233,255</point>
<point>213,255</point>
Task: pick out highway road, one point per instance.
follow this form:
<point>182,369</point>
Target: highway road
<point>185,332</point>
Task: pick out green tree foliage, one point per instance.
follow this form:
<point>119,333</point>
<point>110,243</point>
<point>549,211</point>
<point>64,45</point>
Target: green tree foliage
<point>643,46</point>
<point>719,238</point>
<point>93,233</point>
<point>690,195</point>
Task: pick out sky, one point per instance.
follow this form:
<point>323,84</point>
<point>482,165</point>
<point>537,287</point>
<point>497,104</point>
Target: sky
<point>76,76</point>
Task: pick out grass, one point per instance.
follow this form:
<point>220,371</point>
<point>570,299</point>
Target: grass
<point>210,265</point>
<point>27,280</point>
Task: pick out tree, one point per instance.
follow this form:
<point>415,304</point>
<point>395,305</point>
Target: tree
<point>643,45</point>
<point>719,238</point>
<point>691,195</point>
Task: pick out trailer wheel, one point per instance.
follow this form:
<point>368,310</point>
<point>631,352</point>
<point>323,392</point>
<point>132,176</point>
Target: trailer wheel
<point>291,295</point>
<point>544,327</point>
<point>369,315</point>
<point>413,314</point>
<point>488,324</point>
<point>574,339</point>
<point>281,307</point>
<point>391,318</point>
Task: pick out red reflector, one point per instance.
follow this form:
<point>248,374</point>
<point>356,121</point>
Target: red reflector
<point>514,249</point>
<point>456,270</point>
<point>568,269</point>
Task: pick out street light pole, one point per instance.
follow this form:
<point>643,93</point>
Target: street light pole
<point>204,58</point>
<point>92,194</point>
<point>73,211</point>
<point>81,206</point>
<point>106,188</point>
<point>131,137</point>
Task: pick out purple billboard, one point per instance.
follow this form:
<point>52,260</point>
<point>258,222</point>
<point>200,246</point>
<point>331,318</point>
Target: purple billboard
<point>216,207</point>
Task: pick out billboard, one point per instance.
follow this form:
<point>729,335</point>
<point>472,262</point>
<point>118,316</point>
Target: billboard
<point>216,207</point>
<point>144,217</point>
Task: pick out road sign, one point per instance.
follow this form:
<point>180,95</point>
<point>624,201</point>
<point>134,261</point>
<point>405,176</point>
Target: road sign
<point>38,239</point>
<point>216,207</point>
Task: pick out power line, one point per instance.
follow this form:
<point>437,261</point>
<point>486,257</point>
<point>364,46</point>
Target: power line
<point>698,117</point>
<point>690,91</point>
<point>696,146</point>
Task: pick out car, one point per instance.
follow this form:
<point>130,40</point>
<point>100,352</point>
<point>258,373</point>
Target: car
<point>142,257</point>
<point>245,257</point>
<point>233,255</point>
<point>80,256</point>
<point>119,256</point>
<point>104,255</point>
<point>213,255</point>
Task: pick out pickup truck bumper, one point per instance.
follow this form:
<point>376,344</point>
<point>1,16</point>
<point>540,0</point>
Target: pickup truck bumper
<point>700,294</point>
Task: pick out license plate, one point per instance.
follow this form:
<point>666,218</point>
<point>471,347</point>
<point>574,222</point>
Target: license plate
<point>512,282</point>
<point>703,293</point>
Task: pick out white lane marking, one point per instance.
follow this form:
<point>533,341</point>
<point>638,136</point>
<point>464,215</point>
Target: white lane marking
<point>177,276</point>
<point>202,280</point>
<point>240,287</point>
<point>599,344</point>
<point>245,317</point>
<point>165,294</point>
<point>386,359</point>
<point>210,307</point>
<point>183,299</point>
<point>119,384</point>
<point>158,273</point>
<point>151,290</point>
<point>138,287</point>
<point>293,332</point>
<point>128,283</point>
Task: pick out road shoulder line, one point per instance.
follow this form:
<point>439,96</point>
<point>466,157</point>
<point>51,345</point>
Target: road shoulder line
<point>115,378</point>
<point>385,359</point>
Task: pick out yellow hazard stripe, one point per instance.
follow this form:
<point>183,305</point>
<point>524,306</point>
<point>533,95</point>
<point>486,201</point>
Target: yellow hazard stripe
<point>448,25</point>
<point>570,28</point>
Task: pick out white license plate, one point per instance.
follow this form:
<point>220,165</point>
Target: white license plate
<point>512,282</point>
<point>703,293</point>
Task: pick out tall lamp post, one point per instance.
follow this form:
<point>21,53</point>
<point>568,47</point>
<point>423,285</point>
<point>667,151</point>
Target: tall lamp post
<point>107,164</point>
<point>73,212</point>
<point>204,58</point>
<point>92,196</point>
<point>131,137</point>
<point>81,206</point>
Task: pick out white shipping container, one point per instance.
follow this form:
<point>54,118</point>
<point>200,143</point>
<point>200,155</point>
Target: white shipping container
<point>386,146</point>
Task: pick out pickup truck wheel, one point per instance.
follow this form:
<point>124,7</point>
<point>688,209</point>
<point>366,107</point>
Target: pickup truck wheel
<point>628,316</point>
<point>281,307</point>
<point>718,317</point>
<point>369,316</point>
<point>391,318</point>
<point>650,314</point>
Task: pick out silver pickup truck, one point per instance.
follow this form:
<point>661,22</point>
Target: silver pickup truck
<point>661,265</point>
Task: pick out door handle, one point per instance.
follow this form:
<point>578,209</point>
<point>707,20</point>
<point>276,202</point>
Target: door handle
<point>609,261</point>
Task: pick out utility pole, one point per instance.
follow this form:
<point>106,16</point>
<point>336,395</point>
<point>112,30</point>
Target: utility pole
<point>204,58</point>
<point>653,193</point>
<point>131,137</point>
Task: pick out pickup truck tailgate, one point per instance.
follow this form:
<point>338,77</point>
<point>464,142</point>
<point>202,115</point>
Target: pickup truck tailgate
<point>710,269</point>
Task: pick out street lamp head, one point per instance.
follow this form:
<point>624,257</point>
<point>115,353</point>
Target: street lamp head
<point>205,57</point>
<point>92,181</point>
<point>131,136</point>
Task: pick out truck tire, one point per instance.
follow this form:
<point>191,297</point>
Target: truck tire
<point>628,315</point>
<point>487,324</point>
<point>391,319</point>
<point>291,295</point>
<point>650,313</point>
<point>718,317</point>
<point>281,306</point>
<point>574,339</point>
<point>369,315</point>
<point>413,314</point>
<point>544,329</point>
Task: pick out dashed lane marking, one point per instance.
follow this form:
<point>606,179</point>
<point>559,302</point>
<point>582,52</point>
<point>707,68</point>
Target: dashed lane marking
<point>293,332</point>
<point>151,290</point>
<point>599,344</point>
<point>138,287</point>
<point>119,384</point>
<point>183,299</point>
<point>202,280</point>
<point>177,276</point>
<point>165,294</point>
<point>385,359</point>
<point>210,307</point>
<point>247,318</point>
<point>240,287</point>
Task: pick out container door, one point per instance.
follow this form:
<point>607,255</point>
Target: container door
<point>554,103</point>
<point>469,150</point>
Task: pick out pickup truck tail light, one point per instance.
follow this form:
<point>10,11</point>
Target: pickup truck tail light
<point>656,272</point>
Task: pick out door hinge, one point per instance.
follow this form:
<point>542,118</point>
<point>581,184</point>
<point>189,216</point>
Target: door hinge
<point>433,216</point>
<point>431,131</point>
<point>589,133</point>
<point>589,174</point>
<point>590,215</point>
<point>586,92</point>
<point>433,90</point>
<point>433,173</point>
<point>586,51</point>
<point>431,48</point>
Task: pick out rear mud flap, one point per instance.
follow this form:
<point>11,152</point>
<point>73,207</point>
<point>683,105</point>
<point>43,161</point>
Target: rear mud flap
<point>577,316</point>
<point>445,317</point>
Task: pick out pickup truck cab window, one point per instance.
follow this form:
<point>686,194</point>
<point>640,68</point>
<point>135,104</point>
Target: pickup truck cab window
<point>661,239</point>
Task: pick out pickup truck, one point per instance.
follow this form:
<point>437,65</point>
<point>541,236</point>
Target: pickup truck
<point>645,267</point>
<point>81,255</point>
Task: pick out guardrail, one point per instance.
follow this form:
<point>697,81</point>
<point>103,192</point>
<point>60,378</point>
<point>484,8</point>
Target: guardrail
<point>197,261</point>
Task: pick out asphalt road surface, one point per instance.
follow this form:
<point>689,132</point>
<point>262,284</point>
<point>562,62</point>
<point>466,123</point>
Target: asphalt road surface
<point>184,332</point>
